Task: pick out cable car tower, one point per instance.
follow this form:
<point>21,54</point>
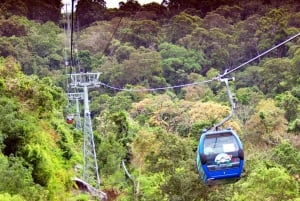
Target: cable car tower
<point>90,167</point>
<point>80,83</point>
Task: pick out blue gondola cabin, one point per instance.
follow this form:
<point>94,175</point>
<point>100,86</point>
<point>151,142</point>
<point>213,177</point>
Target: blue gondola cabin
<point>220,157</point>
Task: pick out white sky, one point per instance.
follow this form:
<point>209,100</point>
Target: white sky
<point>115,3</point>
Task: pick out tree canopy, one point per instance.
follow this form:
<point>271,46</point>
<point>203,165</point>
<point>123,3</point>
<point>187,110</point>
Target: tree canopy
<point>159,66</point>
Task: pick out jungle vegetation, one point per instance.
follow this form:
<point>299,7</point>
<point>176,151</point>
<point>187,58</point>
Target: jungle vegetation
<point>154,132</point>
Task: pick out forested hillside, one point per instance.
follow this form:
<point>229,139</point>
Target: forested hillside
<point>158,65</point>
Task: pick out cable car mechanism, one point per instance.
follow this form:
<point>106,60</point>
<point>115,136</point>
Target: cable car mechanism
<point>220,155</point>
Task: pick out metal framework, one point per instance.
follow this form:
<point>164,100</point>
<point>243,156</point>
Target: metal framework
<point>90,166</point>
<point>231,100</point>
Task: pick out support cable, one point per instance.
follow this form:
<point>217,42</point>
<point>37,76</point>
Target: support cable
<point>206,81</point>
<point>72,30</point>
<point>262,54</point>
<point>158,88</point>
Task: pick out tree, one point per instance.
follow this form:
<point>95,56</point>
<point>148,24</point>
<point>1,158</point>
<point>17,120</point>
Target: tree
<point>142,67</point>
<point>272,29</point>
<point>295,71</point>
<point>43,41</point>
<point>232,13</point>
<point>152,11</point>
<point>8,197</point>
<point>267,124</point>
<point>215,20</point>
<point>290,105</point>
<point>85,61</point>
<point>215,40</point>
<point>271,182</point>
<point>131,6</point>
<point>178,62</point>
<point>12,26</point>
<point>96,38</point>
<point>123,52</point>
<point>288,157</point>
<point>247,100</point>
<point>89,11</point>
<point>274,82</point>
<point>17,180</point>
<point>252,76</point>
<point>142,33</point>
<point>14,7</point>
<point>246,38</point>
<point>251,8</point>
<point>181,25</point>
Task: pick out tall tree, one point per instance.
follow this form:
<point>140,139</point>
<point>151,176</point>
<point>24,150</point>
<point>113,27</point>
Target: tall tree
<point>181,25</point>
<point>272,30</point>
<point>89,11</point>
<point>277,75</point>
<point>267,124</point>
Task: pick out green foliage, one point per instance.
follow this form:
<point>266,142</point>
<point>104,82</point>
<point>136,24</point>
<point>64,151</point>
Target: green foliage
<point>123,52</point>
<point>12,27</point>
<point>8,197</point>
<point>267,124</point>
<point>290,104</point>
<point>183,184</point>
<point>274,82</point>
<point>178,62</point>
<point>250,77</point>
<point>170,159</point>
<point>142,33</point>
<point>15,126</point>
<point>247,99</point>
<point>272,27</point>
<point>43,40</point>
<point>155,133</point>
<point>170,152</point>
<point>150,187</point>
<point>16,180</point>
<point>42,11</point>
<point>80,197</point>
<point>85,62</point>
<point>9,68</point>
<point>287,156</point>
<point>248,96</point>
<point>295,126</point>
<point>274,184</point>
<point>110,154</point>
<point>90,11</point>
<point>36,169</point>
<point>181,25</point>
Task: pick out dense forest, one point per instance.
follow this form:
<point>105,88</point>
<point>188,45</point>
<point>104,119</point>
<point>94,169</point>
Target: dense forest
<point>147,113</point>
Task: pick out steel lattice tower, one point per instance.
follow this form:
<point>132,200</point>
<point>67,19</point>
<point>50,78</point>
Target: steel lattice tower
<point>90,166</point>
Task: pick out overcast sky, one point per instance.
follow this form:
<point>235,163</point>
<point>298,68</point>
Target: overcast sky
<point>115,3</point>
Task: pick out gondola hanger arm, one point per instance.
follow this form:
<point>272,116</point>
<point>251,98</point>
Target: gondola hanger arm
<point>231,100</point>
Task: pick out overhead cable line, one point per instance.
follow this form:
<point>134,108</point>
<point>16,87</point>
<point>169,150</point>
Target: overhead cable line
<point>112,36</point>
<point>158,88</point>
<point>227,71</point>
<point>121,36</point>
<point>262,54</point>
<point>72,30</point>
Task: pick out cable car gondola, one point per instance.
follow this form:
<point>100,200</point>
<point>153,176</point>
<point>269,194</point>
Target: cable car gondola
<point>220,154</point>
<point>70,118</point>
